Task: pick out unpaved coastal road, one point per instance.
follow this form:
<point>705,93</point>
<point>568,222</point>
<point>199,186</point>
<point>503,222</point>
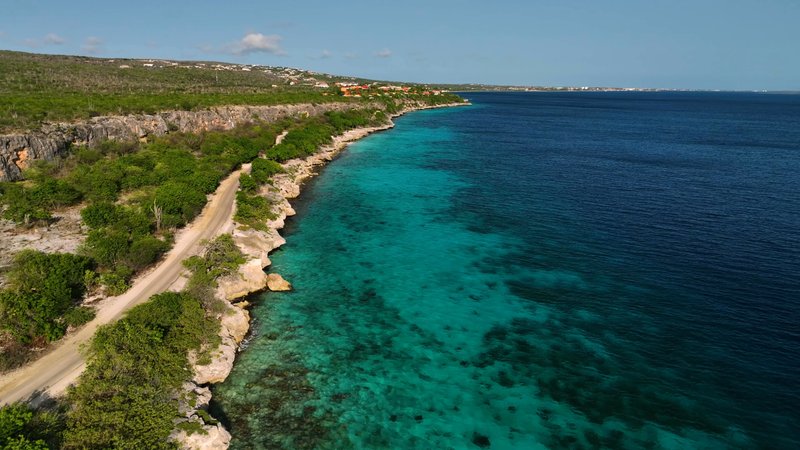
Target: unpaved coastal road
<point>52,373</point>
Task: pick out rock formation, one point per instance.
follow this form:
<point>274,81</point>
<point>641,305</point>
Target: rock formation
<point>275,282</point>
<point>53,140</point>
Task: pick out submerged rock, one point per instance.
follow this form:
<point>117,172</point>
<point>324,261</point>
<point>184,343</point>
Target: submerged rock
<point>275,282</point>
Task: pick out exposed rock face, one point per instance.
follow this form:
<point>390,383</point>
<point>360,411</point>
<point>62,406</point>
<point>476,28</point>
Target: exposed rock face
<point>54,140</point>
<point>216,437</point>
<point>249,279</point>
<point>234,326</point>
<point>275,282</point>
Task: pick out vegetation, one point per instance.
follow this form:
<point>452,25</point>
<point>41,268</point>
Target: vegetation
<point>50,88</point>
<point>127,397</point>
<point>263,169</point>
<point>43,292</point>
<point>22,428</point>
<point>135,196</point>
<point>221,258</point>
<point>36,88</point>
<point>315,132</point>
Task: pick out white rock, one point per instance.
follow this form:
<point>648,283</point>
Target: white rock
<point>216,438</point>
<point>275,282</point>
<point>249,279</point>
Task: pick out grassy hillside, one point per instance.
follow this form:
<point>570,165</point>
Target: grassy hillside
<point>37,88</point>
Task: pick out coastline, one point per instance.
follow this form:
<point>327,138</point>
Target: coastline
<point>252,278</point>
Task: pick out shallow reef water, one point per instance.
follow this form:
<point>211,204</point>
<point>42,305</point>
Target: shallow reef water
<point>560,270</point>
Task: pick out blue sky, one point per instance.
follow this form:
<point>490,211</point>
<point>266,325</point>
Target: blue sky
<point>705,44</point>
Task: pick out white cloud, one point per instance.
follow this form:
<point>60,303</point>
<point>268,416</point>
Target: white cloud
<point>257,43</point>
<point>351,55</point>
<point>53,39</point>
<point>93,45</point>
<point>385,53</point>
<point>48,39</point>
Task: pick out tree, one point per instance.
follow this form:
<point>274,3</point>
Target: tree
<point>99,214</point>
<point>106,246</point>
<point>158,215</point>
<point>42,288</point>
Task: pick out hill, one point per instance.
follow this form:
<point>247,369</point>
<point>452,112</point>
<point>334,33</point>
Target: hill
<point>36,88</point>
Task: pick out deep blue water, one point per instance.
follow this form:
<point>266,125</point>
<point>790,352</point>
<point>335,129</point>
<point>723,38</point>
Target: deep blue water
<point>548,270</point>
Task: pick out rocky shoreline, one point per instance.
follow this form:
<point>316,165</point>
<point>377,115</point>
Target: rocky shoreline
<point>252,278</point>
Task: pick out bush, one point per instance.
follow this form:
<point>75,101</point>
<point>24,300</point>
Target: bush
<point>42,288</point>
<point>114,283</point>
<point>23,428</point>
<point>144,251</point>
<point>253,210</point>
<point>180,202</point>
<point>246,183</point>
<point>99,214</point>
<point>79,316</point>
<point>263,169</point>
<point>107,246</point>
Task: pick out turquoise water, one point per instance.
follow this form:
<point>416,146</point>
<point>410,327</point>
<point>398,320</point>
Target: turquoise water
<point>496,277</point>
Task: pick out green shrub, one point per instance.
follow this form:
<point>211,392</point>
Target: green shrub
<point>114,283</point>
<point>263,169</point>
<point>180,202</point>
<point>107,246</point>
<point>41,289</point>
<point>191,427</point>
<point>100,214</point>
<point>79,316</point>
<point>253,210</point>
<point>24,428</point>
<point>144,251</point>
<point>203,414</point>
<point>247,183</point>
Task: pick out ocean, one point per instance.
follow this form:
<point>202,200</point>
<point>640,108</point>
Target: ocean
<point>540,270</point>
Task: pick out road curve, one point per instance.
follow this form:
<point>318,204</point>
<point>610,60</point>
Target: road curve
<point>50,375</point>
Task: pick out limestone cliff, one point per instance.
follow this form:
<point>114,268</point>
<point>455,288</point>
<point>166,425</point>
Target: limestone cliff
<point>17,151</point>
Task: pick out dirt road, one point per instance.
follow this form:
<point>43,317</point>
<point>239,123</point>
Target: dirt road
<point>51,374</point>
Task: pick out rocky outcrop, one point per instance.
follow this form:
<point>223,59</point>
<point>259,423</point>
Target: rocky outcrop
<point>276,283</point>
<point>234,326</point>
<point>213,437</point>
<point>193,403</point>
<point>17,151</point>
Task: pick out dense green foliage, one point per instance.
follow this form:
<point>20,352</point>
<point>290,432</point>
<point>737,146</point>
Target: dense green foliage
<point>263,169</point>
<point>33,204</point>
<point>315,132</point>
<point>42,289</point>
<point>126,398</point>
<point>253,210</point>
<point>22,428</point>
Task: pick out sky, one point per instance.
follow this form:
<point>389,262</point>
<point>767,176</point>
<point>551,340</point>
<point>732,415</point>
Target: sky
<point>699,44</point>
